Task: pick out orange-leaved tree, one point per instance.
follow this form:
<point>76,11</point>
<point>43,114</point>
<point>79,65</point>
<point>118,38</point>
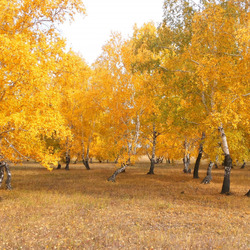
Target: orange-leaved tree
<point>73,83</point>
<point>31,50</point>
<point>120,116</point>
<point>215,63</point>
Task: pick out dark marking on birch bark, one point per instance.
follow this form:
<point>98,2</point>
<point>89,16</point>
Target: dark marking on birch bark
<point>248,193</point>
<point>67,161</point>
<point>152,166</point>
<point>198,159</point>
<point>226,181</point>
<point>186,161</point>
<point>227,163</point>
<point>197,163</point>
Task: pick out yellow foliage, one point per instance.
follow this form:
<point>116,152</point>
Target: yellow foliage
<point>31,50</point>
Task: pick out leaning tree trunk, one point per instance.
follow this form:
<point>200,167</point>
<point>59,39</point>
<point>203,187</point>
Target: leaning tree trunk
<point>197,163</point>
<point>244,164</point>
<point>4,165</point>
<point>86,163</point>
<point>208,178</point>
<point>124,165</point>
<point>118,171</point>
<point>227,163</point>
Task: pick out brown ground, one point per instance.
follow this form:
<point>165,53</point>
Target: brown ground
<point>80,209</point>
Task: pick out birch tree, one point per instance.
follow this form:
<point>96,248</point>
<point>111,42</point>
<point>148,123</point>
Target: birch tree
<point>31,50</point>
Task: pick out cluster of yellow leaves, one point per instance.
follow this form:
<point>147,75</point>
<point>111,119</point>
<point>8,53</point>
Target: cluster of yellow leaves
<point>183,89</point>
<point>212,79</point>
<point>30,53</point>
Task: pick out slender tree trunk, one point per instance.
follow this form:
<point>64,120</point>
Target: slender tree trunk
<point>152,160</point>
<point>85,160</point>
<point>67,160</point>
<point>227,163</point>
<point>1,173</point>
<point>4,165</point>
<point>197,163</point>
<point>186,159</point>
<point>226,181</point>
<point>8,180</point>
<point>59,166</point>
<point>116,159</point>
<point>216,161</point>
<point>244,164</point>
<point>208,178</point>
<point>118,171</point>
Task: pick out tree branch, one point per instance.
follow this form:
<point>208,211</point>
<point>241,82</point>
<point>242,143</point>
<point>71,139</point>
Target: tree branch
<point>11,146</point>
<point>239,97</point>
<point>177,70</point>
<point>7,131</point>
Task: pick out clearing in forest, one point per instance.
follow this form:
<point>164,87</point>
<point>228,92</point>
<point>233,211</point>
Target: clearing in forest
<point>80,209</point>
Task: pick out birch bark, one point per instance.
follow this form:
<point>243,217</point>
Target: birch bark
<point>227,162</point>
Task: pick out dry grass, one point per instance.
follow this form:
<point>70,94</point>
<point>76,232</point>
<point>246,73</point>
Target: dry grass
<point>79,209</point>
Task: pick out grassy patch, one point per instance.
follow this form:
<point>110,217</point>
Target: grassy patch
<point>81,209</point>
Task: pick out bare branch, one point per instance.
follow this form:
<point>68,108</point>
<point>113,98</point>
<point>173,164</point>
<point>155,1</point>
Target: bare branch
<point>195,62</point>
<point>11,146</point>
<point>7,131</point>
<point>239,97</point>
<point>177,70</point>
<point>189,121</point>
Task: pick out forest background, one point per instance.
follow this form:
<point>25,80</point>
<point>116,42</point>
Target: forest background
<point>169,91</point>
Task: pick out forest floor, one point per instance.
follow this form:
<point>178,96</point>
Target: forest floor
<point>80,209</point>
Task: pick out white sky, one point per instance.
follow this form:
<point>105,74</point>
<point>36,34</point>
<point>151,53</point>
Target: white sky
<point>88,35</point>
